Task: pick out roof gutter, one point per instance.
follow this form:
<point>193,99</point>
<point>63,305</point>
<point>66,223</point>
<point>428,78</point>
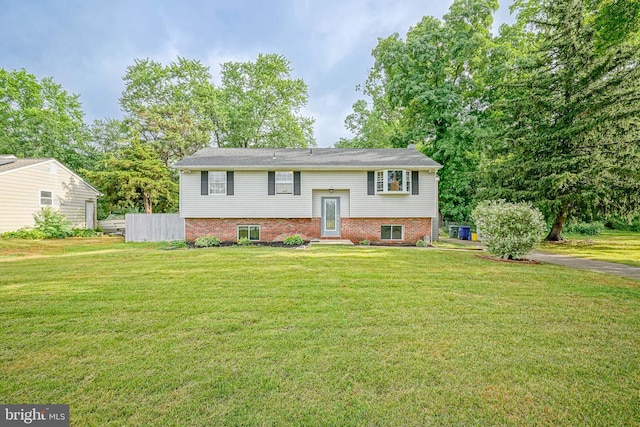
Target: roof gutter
<point>303,167</point>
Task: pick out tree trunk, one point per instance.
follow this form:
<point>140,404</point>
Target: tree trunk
<point>555,235</point>
<point>148,205</point>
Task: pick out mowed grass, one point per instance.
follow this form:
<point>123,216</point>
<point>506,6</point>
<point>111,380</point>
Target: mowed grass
<point>137,336</point>
<point>614,246</point>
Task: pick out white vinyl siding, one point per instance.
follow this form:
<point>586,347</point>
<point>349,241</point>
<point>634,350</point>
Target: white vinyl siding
<point>251,198</point>
<point>345,211</point>
<point>20,195</point>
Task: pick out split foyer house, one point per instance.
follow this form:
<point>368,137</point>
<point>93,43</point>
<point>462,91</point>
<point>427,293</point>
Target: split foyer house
<point>383,195</point>
<point>28,185</point>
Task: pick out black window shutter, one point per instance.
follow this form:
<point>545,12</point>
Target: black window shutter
<point>415,183</point>
<point>296,183</point>
<point>271,184</point>
<point>204,183</point>
<point>229,183</point>
<point>371,183</point>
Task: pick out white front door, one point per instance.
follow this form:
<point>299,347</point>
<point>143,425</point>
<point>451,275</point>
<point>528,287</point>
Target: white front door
<point>331,217</point>
<point>89,214</point>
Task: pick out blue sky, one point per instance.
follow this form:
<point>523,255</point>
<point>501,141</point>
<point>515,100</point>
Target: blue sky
<point>86,45</point>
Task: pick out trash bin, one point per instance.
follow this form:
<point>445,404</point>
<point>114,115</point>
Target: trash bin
<point>453,231</point>
<point>464,233</point>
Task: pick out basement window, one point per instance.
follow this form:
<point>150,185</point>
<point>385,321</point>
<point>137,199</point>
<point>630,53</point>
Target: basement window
<point>392,232</point>
<point>251,232</point>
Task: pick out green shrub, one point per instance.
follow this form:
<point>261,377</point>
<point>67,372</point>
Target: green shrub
<point>176,244</point>
<point>207,242</point>
<point>52,224</point>
<point>421,243</point>
<point>24,233</point>
<point>294,240</point>
<point>244,241</point>
<point>365,242</point>
<point>585,228</point>
<point>83,232</point>
<point>509,230</point>
<point>624,225</point>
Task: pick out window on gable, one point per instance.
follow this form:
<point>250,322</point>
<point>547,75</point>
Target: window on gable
<point>217,182</point>
<point>391,232</point>
<point>393,181</point>
<point>284,182</point>
<point>46,198</point>
<point>251,232</point>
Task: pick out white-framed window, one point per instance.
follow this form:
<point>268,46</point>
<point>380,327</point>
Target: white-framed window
<point>393,181</point>
<point>46,198</point>
<point>392,232</point>
<point>284,182</point>
<point>217,183</point>
<point>251,232</point>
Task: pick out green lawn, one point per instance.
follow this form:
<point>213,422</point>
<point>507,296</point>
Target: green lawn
<point>615,246</point>
<point>134,335</point>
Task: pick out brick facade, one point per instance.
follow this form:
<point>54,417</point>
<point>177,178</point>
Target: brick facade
<point>276,229</point>
<point>358,229</point>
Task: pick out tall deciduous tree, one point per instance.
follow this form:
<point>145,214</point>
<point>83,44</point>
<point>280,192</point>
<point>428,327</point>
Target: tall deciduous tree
<point>134,177</point>
<point>262,105</point>
<point>38,118</point>
<point>170,107</point>
<point>108,135</point>
<point>429,89</point>
<point>569,136</point>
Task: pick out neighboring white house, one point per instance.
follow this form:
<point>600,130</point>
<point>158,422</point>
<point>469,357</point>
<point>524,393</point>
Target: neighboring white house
<point>27,185</point>
<point>383,195</point>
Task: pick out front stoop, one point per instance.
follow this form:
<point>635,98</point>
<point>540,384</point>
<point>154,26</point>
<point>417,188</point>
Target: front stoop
<point>331,242</point>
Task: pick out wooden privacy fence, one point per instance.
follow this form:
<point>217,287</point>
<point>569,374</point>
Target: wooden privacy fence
<point>153,227</point>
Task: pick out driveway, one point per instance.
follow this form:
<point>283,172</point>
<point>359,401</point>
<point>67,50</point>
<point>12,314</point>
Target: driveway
<point>622,270</point>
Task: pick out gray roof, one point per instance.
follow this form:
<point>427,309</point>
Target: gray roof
<point>307,159</point>
<point>7,163</point>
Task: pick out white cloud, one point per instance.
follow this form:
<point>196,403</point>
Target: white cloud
<point>329,112</point>
<point>347,26</point>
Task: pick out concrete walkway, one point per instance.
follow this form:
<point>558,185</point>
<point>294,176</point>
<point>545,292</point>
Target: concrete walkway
<point>622,270</point>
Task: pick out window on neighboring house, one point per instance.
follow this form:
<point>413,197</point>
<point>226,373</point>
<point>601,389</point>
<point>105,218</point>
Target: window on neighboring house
<point>251,232</point>
<point>393,181</point>
<point>391,232</point>
<point>284,182</point>
<point>217,182</point>
<point>46,198</point>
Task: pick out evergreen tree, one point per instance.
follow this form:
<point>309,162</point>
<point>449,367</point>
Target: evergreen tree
<point>568,135</point>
